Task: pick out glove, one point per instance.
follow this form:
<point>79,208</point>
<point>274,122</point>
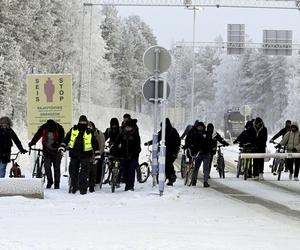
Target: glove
<point>226,144</point>
<point>278,146</point>
<point>23,151</point>
<point>97,158</point>
<point>184,147</point>
<point>294,150</point>
<point>271,141</point>
<point>235,142</point>
<point>61,150</point>
<point>30,144</point>
<point>146,144</point>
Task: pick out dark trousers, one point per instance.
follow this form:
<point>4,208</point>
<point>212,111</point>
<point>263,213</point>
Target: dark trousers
<point>170,171</point>
<point>99,169</point>
<point>128,167</point>
<point>92,175</point>
<point>258,166</point>
<point>290,163</point>
<point>198,161</point>
<point>78,171</point>
<point>55,159</point>
<point>211,157</point>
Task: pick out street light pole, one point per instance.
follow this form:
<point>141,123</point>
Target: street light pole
<point>193,67</point>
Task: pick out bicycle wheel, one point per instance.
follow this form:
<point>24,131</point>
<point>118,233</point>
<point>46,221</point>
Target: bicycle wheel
<point>188,177</point>
<point>113,181</point>
<point>246,167</point>
<point>280,169</point>
<point>35,168</point>
<point>143,172</point>
<point>183,166</point>
<point>103,172</point>
<point>221,167</point>
<point>275,166</point>
<point>239,167</point>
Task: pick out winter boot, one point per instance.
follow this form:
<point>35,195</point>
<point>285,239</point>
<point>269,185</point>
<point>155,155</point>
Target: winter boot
<point>49,184</point>
<point>205,184</point>
<point>56,186</point>
<point>83,191</point>
<point>91,189</point>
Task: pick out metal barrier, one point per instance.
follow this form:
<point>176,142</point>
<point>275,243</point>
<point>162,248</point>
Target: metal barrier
<point>269,155</point>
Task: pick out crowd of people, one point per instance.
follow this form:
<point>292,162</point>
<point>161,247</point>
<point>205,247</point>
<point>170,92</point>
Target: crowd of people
<point>86,146</point>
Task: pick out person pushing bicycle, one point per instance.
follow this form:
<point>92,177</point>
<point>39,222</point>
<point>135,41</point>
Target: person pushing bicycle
<point>52,134</point>
<point>83,149</point>
<point>199,142</point>
<point>216,137</point>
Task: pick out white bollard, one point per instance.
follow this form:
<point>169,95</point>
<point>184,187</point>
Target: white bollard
<point>32,188</point>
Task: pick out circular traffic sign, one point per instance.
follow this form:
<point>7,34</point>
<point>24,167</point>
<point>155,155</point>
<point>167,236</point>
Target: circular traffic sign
<point>149,89</point>
<point>164,59</point>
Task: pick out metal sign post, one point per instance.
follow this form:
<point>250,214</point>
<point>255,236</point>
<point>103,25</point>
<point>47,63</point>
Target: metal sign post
<point>157,60</point>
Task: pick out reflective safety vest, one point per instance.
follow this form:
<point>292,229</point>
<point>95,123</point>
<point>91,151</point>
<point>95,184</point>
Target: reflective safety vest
<point>87,140</point>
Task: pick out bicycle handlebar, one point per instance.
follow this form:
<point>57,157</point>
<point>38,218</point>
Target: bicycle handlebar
<point>14,154</point>
<point>193,156</point>
<point>35,149</point>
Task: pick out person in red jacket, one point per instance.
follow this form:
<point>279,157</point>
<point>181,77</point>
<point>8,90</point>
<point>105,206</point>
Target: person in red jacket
<point>52,134</point>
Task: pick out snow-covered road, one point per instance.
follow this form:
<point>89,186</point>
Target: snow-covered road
<point>184,218</point>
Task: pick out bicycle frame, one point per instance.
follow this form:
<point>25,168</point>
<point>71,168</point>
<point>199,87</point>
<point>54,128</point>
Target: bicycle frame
<point>14,165</point>
<point>220,162</point>
<point>115,172</point>
<point>38,164</point>
<point>190,169</point>
<point>244,165</point>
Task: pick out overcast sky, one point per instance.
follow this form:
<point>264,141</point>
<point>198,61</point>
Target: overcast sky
<point>175,23</point>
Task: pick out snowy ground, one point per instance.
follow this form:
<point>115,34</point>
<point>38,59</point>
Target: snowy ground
<point>184,218</point>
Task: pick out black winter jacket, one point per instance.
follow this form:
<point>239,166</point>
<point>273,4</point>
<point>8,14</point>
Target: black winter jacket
<point>7,136</point>
<point>198,141</point>
<point>127,145</point>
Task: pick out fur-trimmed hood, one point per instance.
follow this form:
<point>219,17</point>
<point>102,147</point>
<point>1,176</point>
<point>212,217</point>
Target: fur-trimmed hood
<point>4,120</point>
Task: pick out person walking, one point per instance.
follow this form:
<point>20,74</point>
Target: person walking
<point>259,136</point>
<point>283,131</point>
<point>215,137</point>
<point>52,134</point>
<point>127,148</point>
<point>83,149</point>
<point>172,142</point>
<point>7,137</point>
<point>292,142</point>
<point>199,143</point>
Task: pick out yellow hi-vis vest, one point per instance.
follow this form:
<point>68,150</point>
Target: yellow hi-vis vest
<point>87,139</point>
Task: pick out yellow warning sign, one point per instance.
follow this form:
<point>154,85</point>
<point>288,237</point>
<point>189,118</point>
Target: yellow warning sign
<point>49,96</point>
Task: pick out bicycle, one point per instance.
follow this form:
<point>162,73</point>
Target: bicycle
<point>220,166</point>
<point>244,166</point>
<point>15,171</point>
<point>190,169</point>
<point>183,164</point>
<point>277,161</point>
<point>280,162</point>
<point>115,173</point>
<point>105,168</point>
<point>38,169</point>
<point>143,171</point>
